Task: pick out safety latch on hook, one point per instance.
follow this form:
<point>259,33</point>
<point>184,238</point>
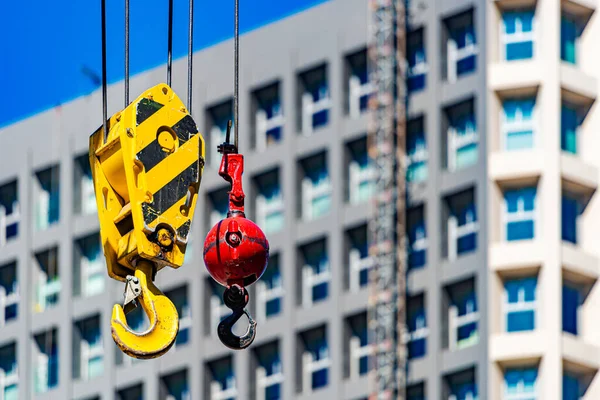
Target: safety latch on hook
<point>133,290</point>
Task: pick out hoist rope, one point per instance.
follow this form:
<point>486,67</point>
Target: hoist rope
<point>236,46</point>
<point>190,54</point>
<point>126,53</point>
<point>104,111</point>
<point>170,44</point>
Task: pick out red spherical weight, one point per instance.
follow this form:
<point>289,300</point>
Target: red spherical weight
<point>236,251</point>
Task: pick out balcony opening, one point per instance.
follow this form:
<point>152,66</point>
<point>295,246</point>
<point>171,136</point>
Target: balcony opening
<point>459,53</point>
<point>45,373</point>
<point>518,34</point>
<point>358,88</point>
<point>217,117</point>
<point>356,346</point>
<point>314,273</point>
<point>46,194</point>
<point>90,267</point>
<point>416,150</point>
<point>417,60</point>
<point>461,318</point>
<point>519,304</point>
<point>9,373</point>
<point>10,212</point>
<point>84,196</point>
<point>417,326</point>
<point>267,116</point>
<point>9,293</point>
<point>47,284</point>
<point>270,291</point>
<point>314,183</point>
<point>518,124</point>
<point>313,360</point>
<point>179,297</point>
<point>417,237</point>
<point>360,172</point>
<point>461,385</point>
<point>460,137</point>
<point>269,206</point>
<point>314,100</point>
<point>88,349</point>
<point>575,295</point>
<point>358,261</point>
<point>267,375</point>
<point>460,225</point>
<point>175,386</point>
<point>220,380</point>
<point>576,380</point>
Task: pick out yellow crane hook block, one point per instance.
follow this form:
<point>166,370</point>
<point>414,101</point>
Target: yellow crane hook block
<point>146,179</point>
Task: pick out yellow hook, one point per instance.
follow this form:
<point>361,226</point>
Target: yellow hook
<point>164,320</point>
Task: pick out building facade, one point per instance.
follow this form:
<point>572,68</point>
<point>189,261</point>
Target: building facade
<point>303,90</point>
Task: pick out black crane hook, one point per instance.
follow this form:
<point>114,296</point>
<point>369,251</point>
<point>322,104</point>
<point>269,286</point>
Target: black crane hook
<point>236,298</point>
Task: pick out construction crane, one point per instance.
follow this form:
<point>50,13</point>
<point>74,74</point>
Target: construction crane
<point>147,163</point>
<point>386,309</point>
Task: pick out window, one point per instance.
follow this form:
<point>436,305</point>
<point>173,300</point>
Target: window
<point>518,125</point>
<point>571,119</point>
<point>175,386</point>
<point>417,327</point>
<point>361,172</point>
<point>315,360</point>
<point>84,195</point>
<point>89,278</point>
<point>569,35</point>
<point>47,197</point>
<point>268,116</point>
<point>417,60</point>
<point>179,297</point>
<point>359,263</point>
<point>520,304</point>
<point>9,293</point>
<point>218,310</point>
<point>416,149</point>
<point>316,272</point>
<point>416,391</point>
<point>461,385</point>
<point>461,46</point>
<point>135,392</point>
<point>359,88</point>
<point>572,299</point>
<point>270,214</point>
<point>218,205</point>
<point>9,374</point>
<point>269,291</point>
<point>221,379</point>
<point>462,137</point>
<point>89,348</point>
<point>520,383</point>
<point>461,223</point>
<point>571,209</point>
<point>358,348</point>
<point>269,374</point>
<point>463,315</point>
<point>520,213</point>
<point>315,186</point>
<point>314,99</point>
<point>518,35</point>
<point>417,237</point>
<point>10,212</point>
<point>572,387</point>
<point>45,374</point>
<point>217,118</point>
<point>47,284</point>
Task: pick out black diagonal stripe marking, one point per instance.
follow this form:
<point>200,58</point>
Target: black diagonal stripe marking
<point>185,129</point>
<point>184,229</point>
<point>153,154</point>
<point>170,194</point>
<point>145,109</point>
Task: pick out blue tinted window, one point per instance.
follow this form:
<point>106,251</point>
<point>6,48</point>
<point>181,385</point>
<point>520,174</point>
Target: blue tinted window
<point>518,34</point>
<point>520,306</point>
<point>569,122</point>
<point>570,212</point>
<point>570,305</point>
<point>520,216</point>
<point>568,39</point>
<point>518,123</point>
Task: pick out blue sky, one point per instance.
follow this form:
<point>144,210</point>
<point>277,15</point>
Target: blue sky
<point>50,51</point>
